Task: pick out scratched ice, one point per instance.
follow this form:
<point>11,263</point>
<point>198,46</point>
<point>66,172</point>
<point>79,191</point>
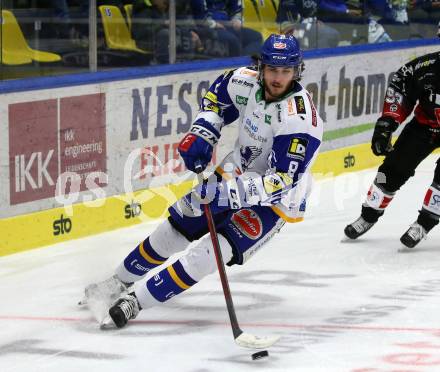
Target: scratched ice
<point>358,307</point>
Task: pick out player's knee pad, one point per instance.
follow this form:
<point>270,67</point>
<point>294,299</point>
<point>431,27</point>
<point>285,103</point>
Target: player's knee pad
<point>378,198</point>
<point>431,202</point>
<point>200,261</point>
<point>166,240</point>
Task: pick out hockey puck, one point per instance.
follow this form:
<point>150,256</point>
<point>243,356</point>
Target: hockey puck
<point>260,354</point>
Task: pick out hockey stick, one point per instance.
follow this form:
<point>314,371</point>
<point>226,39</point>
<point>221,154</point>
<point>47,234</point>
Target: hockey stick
<point>241,338</point>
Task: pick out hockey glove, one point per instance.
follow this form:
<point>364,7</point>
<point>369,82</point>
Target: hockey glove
<point>240,192</point>
<point>197,146</point>
<point>381,141</point>
<point>221,196</point>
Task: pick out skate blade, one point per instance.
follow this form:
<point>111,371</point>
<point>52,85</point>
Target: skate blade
<point>346,239</point>
<point>106,323</point>
<point>83,302</point>
<point>404,249</point>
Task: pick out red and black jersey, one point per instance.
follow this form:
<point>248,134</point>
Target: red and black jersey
<point>415,84</point>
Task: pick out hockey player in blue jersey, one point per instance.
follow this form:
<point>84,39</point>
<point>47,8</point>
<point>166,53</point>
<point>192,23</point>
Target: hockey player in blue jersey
<point>258,187</point>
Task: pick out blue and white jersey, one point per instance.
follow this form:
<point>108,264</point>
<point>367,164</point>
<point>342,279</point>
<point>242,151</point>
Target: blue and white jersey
<point>277,142</point>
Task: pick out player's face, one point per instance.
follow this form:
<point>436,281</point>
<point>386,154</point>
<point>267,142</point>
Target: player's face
<point>277,80</point>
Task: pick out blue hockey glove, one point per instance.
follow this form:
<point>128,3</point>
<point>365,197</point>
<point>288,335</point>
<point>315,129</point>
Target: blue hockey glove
<point>197,146</point>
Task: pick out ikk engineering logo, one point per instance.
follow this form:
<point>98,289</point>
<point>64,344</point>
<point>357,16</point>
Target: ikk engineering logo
<point>50,137</point>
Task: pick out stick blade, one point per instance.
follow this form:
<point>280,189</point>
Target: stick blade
<point>254,342</point>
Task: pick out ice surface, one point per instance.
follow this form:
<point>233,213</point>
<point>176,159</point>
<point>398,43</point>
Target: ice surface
<point>364,306</point>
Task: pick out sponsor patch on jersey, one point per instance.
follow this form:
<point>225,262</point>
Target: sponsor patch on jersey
<point>286,178</point>
<point>272,183</point>
<point>297,148</point>
<point>278,106</point>
<point>242,82</point>
<point>267,119</point>
<point>249,72</point>
<point>248,223</point>
<point>425,63</point>
<point>240,100</point>
<point>290,107</point>
<point>393,108</point>
<point>300,105</point>
<point>314,114</point>
<point>302,207</point>
<point>275,182</point>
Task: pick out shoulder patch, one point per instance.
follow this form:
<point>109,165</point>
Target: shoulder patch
<point>300,105</point>
<point>249,72</point>
<point>290,107</point>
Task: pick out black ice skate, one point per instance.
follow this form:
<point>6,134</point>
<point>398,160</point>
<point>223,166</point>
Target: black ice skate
<point>126,308</point>
<point>358,228</point>
<point>413,235</point>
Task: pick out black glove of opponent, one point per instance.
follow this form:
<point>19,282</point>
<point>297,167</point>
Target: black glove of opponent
<point>381,141</point>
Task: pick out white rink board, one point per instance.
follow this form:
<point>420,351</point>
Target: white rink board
<point>156,111</point>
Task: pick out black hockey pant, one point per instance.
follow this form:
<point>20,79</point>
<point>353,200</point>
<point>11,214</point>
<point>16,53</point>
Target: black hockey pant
<point>414,144</point>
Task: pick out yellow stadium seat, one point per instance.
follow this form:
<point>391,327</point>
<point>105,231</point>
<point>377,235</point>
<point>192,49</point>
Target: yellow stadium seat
<point>260,15</point>
<point>14,47</point>
<point>128,12</point>
<point>116,32</point>
<point>268,10</point>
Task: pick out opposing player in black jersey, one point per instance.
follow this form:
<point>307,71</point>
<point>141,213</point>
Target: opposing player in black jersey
<point>414,87</point>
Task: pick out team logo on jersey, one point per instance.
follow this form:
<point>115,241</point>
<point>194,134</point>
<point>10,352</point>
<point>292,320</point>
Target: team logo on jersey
<point>248,154</point>
<point>241,100</point>
<point>300,105</point>
<point>297,148</point>
<point>248,222</point>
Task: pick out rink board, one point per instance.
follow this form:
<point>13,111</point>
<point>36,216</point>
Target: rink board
<point>51,226</point>
<point>82,159</point>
